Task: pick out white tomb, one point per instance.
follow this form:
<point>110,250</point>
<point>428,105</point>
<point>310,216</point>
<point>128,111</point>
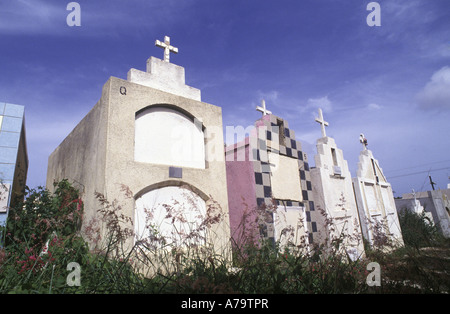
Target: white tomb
<point>375,200</point>
<point>417,207</point>
<point>147,145</point>
<point>333,193</point>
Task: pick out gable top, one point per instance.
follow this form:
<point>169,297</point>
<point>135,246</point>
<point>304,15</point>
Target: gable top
<point>369,168</point>
<point>163,75</point>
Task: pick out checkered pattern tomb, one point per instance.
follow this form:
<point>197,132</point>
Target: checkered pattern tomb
<point>270,139</point>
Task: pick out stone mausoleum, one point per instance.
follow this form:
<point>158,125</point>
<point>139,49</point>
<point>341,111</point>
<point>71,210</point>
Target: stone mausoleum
<point>269,186</point>
<point>375,200</point>
<point>152,135</point>
<point>333,194</point>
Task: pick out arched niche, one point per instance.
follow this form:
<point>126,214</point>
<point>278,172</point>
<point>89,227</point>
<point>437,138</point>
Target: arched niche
<point>169,215</point>
<point>169,136</point>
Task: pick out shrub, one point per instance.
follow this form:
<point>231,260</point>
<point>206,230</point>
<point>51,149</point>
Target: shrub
<point>418,231</point>
<point>41,237</point>
<point>36,256</point>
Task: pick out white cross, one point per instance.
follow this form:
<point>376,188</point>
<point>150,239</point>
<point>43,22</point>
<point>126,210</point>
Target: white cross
<point>263,108</point>
<point>322,122</point>
<point>167,48</point>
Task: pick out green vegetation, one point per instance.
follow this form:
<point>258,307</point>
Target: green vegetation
<point>43,237</point>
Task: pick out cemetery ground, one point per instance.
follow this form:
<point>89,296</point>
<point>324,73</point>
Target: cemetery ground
<point>44,252</point>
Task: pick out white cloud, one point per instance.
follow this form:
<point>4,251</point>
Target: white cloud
<point>98,18</point>
<point>314,103</point>
<point>31,17</point>
<point>269,97</point>
<point>373,106</point>
<point>309,110</point>
<point>436,93</point>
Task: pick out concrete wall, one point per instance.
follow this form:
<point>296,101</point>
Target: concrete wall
<point>241,193</point>
<point>435,202</point>
<point>81,157</point>
<point>99,153</point>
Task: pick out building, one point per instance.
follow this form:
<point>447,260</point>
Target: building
<point>333,193</point>
<point>269,186</point>
<point>150,135</point>
<point>375,201</point>
<point>13,157</point>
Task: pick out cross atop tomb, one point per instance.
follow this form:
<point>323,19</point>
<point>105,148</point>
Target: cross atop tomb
<point>322,122</point>
<point>263,108</point>
<point>363,141</point>
<point>167,48</point>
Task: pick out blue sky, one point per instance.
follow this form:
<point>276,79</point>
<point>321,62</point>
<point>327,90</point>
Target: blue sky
<point>391,82</point>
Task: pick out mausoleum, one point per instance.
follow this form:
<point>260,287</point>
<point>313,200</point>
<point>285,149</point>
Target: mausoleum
<point>269,185</point>
<point>333,194</point>
<point>375,200</point>
<point>153,136</point>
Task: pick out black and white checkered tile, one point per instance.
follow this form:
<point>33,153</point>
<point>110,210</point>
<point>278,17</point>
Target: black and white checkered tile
<point>284,144</point>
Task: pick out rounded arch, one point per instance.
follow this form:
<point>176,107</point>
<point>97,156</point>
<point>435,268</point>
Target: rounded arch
<point>169,135</point>
<point>169,215</point>
<point>172,107</point>
<point>179,183</point>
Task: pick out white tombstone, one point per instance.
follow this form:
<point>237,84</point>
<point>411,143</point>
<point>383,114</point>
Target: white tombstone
<point>416,206</point>
<point>170,215</point>
<point>375,200</point>
<point>333,193</point>
<point>4,196</point>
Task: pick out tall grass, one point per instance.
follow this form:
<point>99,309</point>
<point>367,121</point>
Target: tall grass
<point>37,253</point>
